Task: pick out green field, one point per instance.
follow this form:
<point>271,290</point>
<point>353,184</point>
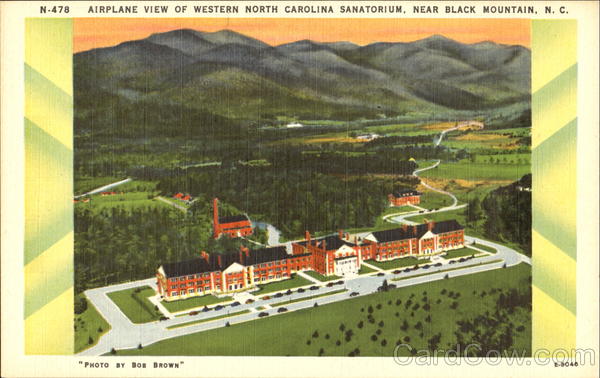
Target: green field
<point>186,304</point>
<point>135,304</point>
<point>88,324</point>
<point>434,200</point>
<point>398,263</point>
<point>127,200</point>
<point>84,184</point>
<point>208,320</point>
<point>320,328</point>
<point>321,277</point>
<point>478,171</point>
<point>460,253</point>
<point>295,281</point>
<point>446,270</point>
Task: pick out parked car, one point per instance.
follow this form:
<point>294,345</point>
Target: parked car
<point>340,282</point>
<point>278,295</point>
<point>353,294</point>
<point>236,303</point>
<point>438,264</point>
<point>330,284</point>
<point>163,318</point>
<point>281,309</point>
<point>462,259</point>
<point>193,313</point>
<point>263,314</point>
<point>218,307</point>
<point>289,292</point>
<point>381,274</point>
<point>397,271</point>
<point>301,290</point>
<point>452,262</point>
<point>205,309</point>
<point>406,270</point>
<point>250,300</point>
<point>314,288</point>
<point>266,297</point>
<point>425,266</point>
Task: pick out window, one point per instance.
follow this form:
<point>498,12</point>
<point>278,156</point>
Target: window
<point>181,278</point>
<point>206,288</point>
<point>190,277</point>
<point>173,293</point>
<point>191,291</point>
<point>182,292</point>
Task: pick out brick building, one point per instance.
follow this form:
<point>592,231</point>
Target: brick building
<point>232,226</point>
<point>223,273</point>
<point>404,197</point>
<point>331,255</point>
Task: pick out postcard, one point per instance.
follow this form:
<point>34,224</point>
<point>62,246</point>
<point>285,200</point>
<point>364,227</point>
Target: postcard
<point>195,188</point>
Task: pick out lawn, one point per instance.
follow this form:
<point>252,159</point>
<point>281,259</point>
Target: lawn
<point>186,304</point>
<point>485,247</point>
<point>398,263</point>
<point>88,324</point>
<point>446,270</point>
<point>135,304</point>
<point>84,184</point>
<point>321,277</point>
<point>208,320</point>
<point>365,269</point>
<point>478,171</point>
<point>295,281</point>
<point>127,200</point>
<point>434,200</point>
<point>323,330</point>
<point>462,252</point>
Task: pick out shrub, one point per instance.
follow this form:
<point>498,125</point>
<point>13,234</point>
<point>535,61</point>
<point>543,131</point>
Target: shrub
<point>446,276</point>
<point>113,351</point>
<point>406,339</point>
<point>360,324</point>
<point>374,337</point>
<point>356,352</point>
<point>378,331</point>
<point>227,324</point>
<point>438,301</point>
<point>307,342</point>
<point>90,340</point>
<point>140,346</point>
<point>315,334</point>
<point>390,302</point>
<point>100,329</point>
<point>155,308</point>
<point>428,319</point>
<point>379,306</point>
<point>426,307</point>
<point>342,327</point>
<point>370,309</point>
<point>398,302</point>
<point>443,291</point>
<point>383,342</point>
<point>362,309</point>
<point>316,304</point>
<point>321,351</point>
<point>338,343</point>
<point>397,314</point>
<point>326,336</point>
<point>381,324</point>
<point>520,328</point>
<point>412,314</point>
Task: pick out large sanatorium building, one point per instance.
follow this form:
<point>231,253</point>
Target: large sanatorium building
<point>339,255</point>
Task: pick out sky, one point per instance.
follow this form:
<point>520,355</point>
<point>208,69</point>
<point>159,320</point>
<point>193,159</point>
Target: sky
<point>92,33</point>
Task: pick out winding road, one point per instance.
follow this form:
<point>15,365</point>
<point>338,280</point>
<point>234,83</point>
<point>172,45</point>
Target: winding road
<point>125,335</point>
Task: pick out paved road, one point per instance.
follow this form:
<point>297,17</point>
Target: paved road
<point>125,334</point>
<point>103,188</point>
<point>177,206</point>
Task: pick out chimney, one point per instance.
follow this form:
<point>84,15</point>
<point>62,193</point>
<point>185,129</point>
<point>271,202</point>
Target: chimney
<point>307,235</point>
<point>219,260</point>
<point>216,217</point>
<point>204,255</point>
<point>341,234</point>
<point>415,229</point>
<point>430,225</point>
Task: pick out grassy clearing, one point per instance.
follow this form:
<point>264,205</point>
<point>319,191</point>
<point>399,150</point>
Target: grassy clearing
<point>135,304</point>
<point>283,303</point>
<point>398,263</point>
<point>485,247</point>
<point>186,304</point>
<point>478,171</point>
<point>208,320</point>
<point>127,200</point>
<point>84,184</point>
<point>365,270</point>
<point>295,281</point>
<point>321,277</point>
<point>434,200</point>
<point>89,325</point>
<point>272,336</point>
<point>460,253</point>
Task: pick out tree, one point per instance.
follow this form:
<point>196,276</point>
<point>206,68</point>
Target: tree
<point>140,346</point>
<point>113,351</point>
<point>81,305</point>
<point>315,334</point>
<point>90,340</point>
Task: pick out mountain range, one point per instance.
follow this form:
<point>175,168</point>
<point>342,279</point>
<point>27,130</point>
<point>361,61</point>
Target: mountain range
<point>230,75</point>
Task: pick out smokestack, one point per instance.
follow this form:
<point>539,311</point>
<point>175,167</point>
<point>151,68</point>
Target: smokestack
<point>216,217</point>
<point>430,225</point>
<point>307,235</point>
<point>219,260</point>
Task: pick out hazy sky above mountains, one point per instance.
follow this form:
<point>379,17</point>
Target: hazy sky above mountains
<point>90,33</point>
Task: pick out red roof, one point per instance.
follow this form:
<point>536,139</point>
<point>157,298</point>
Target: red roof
<point>187,198</point>
<point>178,195</point>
